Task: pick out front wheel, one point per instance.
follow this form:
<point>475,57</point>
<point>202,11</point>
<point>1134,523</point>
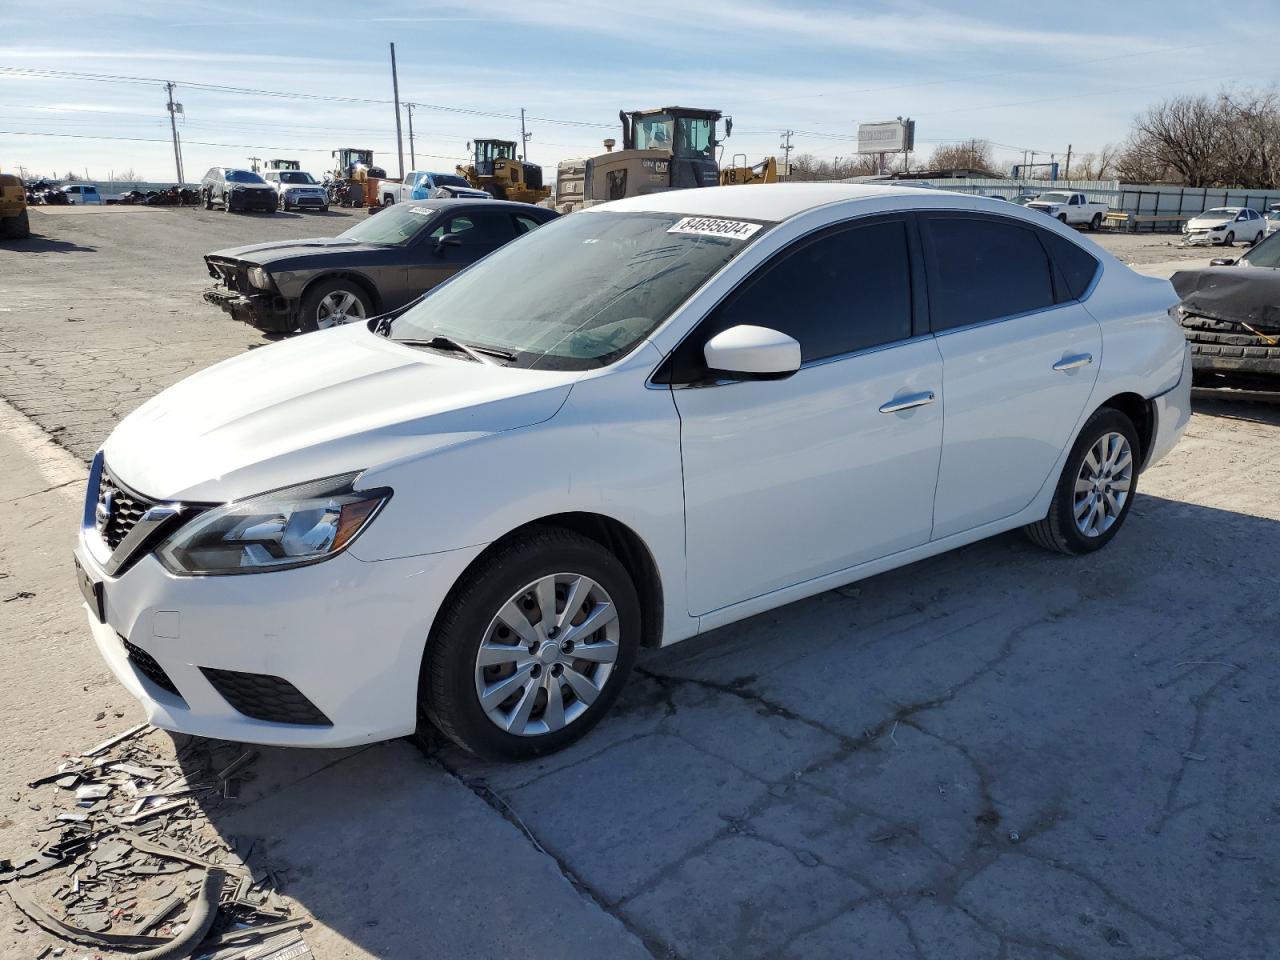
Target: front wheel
<point>1096,488</point>
<point>208,201</point>
<point>1229,240</point>
<point>532,647</point>
<point>1062,218</point>
<point>332,304</point>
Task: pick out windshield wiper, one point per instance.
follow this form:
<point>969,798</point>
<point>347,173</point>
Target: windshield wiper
<point>478,354</point>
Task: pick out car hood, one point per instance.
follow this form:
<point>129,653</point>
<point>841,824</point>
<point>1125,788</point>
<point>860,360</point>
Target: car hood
<point>266,253</point>
<point>233,185</point>
<point>1232,295</point>
<point>1204,223</point>
<point>318,405</point>
<point>466,192</point>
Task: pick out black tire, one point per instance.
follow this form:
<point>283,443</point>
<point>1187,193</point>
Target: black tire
<point>1229,240</point>
<point>447,683</point>
<point>226,203</point>
<point>1257,240</point>
<point>308,320</point>
<point>497,191</point>
<point>388,200</point>
<point>1096,222</point>
<point>1062,218</point>
<point>16,227</point>
<point>208,200</point>
<point>325,208</point>
<point>1057,531</point>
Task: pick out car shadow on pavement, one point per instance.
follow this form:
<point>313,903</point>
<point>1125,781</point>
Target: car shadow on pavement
<point>1239,410</point>
<point>892,765</point>
<point>39,244</point>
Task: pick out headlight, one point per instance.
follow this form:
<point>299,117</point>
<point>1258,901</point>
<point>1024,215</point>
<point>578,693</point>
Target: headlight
<point>258,277</point>
<point>1221,226</point>
<point>274,531</point>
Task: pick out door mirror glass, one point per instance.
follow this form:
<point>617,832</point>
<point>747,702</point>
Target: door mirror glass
<point>753,353</point>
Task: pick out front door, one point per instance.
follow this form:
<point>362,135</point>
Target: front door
<point>478,232</point>
<point>787,480</point>
<point>1020,356</point>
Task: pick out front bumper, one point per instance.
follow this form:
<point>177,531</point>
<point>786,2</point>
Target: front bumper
<point>262,310</point>
<point>262,200</point>
<point>304,202</point>
<point>347,634</point>
<point>1173,412</point>
<point>1204,237</point>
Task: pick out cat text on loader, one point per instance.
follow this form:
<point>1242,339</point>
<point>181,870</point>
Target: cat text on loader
<point>664,148</point>
<point>497,171</point>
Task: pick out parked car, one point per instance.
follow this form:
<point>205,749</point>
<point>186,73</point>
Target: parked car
<point>1071,208</point>
<point>14,219</point>
<point>424,185</point>
<point>1023,199</point>
<point>1230,314</point>
<point>82,193</point>
<point>1225,225</point>
<point>297,190</point>
<point>1272,219</point>
<point>377,265</point>
<point>643,421</point>
<point>236,189</point>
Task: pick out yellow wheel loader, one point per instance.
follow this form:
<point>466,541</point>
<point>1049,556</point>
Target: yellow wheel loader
<point>766,171</point>
<point>354,181</point>
<point>496,169</point>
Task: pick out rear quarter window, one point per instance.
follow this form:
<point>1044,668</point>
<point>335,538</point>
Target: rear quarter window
<point>1077,267</point>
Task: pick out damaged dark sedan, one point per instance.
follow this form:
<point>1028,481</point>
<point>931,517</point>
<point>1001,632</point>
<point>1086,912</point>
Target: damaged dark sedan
<point>378,265</point>
<point>1230,313</point>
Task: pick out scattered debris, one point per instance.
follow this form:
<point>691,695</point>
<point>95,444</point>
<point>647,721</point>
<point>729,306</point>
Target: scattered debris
<point>129,833</point>
<point>20,595</point>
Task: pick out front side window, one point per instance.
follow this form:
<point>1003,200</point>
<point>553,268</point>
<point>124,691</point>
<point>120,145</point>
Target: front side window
<point>579,292</point>
<point>476,229</point>
<point>693,137</point>
<point>984,269</point>
<point>1265,254</point>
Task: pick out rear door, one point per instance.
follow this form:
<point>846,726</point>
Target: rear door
<point>1020,355</point>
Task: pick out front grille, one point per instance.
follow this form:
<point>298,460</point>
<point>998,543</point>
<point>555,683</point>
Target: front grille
<point>265,697</point>
<point>147,666</point>
<point>119,510</point>
<point>234,276</point>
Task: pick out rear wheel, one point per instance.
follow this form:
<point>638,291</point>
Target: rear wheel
<point>1096,488</point>
<point>1257,240</point>
<point>532,647</point>
<point>1096,222</point>
<point>17,227</point>
<point>333,303</point>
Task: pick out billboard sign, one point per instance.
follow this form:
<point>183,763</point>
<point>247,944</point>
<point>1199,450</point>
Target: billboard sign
<point>892,136</point>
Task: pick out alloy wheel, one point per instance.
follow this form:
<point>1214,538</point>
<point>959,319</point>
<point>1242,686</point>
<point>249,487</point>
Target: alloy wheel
<point>337,308</point>
<point>1103,484</point>
<point>547,655</point>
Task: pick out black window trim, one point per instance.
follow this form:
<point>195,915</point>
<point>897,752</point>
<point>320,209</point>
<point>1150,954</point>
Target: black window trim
<point>1061,292</point>
<point>916,275</point>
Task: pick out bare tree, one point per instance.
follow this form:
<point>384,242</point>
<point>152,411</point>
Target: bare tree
<point>806,166</point>
<point>1095,166</point>
<point>967,155</point>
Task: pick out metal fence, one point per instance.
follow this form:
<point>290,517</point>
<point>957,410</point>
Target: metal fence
<point>1150,206</point>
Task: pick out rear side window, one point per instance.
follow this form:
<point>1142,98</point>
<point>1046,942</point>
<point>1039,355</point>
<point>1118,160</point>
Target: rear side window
<point>1076,266</point>
<point>525,224</point>
<point>843,292</point>
<point>983,269</point>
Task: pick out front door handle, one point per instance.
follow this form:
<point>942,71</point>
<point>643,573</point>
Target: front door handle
<point>906,402</point>
<point>1073,362</point>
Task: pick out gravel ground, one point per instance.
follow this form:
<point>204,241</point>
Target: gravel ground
<point>995,753</point>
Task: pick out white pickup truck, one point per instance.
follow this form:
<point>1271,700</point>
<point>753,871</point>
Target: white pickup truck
<point>1072,208</point>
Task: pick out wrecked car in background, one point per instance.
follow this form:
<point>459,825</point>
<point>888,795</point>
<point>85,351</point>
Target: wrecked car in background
<point>1230,313</point>
<point>378,265</point>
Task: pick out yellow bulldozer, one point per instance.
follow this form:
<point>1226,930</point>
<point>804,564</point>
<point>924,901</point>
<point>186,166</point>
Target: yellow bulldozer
<point>496,169</point>
<point>354,181</point>
<point>766,171</point>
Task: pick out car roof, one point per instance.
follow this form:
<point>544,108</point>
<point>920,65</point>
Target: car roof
<point>443,203</point>
<point>762,201</point>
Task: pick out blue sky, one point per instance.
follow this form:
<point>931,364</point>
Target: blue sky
<point>1003,71</point>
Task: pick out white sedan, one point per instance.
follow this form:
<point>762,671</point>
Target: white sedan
<point>636,424</point>
<point>1225,225</point>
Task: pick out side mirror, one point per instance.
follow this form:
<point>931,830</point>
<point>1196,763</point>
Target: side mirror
<point>448,240</point>
<point>748,352</point>
<point>1222,262</point>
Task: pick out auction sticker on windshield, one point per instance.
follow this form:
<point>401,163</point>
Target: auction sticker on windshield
<point>711,227</point>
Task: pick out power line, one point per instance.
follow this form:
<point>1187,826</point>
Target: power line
<point>200,143</point>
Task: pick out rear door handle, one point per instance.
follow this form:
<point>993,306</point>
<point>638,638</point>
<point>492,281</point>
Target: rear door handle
<point>898,404</point>
<point>1073,362</point>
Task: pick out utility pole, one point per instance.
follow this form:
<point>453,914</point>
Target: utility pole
<point>412,160</point>
<point>1066,174</point>
<point>253,164</point>
<point>524,138</point>
<point>395,88</point>
<point>174,110</point>
<point>785,147</point>
<point>1032,168</point>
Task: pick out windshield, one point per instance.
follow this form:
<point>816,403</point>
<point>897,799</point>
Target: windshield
<point>581,291</point>
<point>1265,254</point>
<point>393,227</point>
<point>1221,212</point>
<point>295,176</point>
<point>243,176</point>
<point>449,180</point>
<point>655,132</point>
